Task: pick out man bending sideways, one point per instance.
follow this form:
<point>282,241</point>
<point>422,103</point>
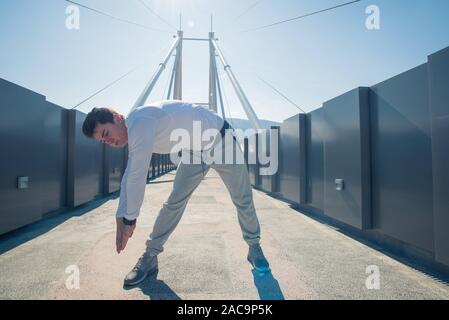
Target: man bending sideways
<point>150,129</point>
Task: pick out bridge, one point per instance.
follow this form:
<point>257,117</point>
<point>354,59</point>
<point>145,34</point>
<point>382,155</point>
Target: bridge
<point>205,258</point>
<point>357,208</point>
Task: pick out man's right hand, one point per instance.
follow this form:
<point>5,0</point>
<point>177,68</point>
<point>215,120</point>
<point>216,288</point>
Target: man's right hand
<point>124,232</point>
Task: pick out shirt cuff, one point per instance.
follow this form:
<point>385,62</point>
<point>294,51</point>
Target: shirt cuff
<point>129,216</point>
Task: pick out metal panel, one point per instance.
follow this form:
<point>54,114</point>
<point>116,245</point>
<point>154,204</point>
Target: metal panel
<point>115,168</point>
<point>292,175</point>
<point>53,147</point>
<point>153,167</point>
<point>346,154</point>
<point>32,138</point>
<point>315,158</point>
<point>401,158</point>
<point>253,164</point>
<point>85,167</point>
<point>270,183</point>
<point>438,70</point>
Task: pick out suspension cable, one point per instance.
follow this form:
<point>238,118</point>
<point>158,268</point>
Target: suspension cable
<point>154,13</point>
<point>302,16</point>
<point>116,18</point>
<point>268,84</point>
<point>278,92</point>
<point>252,6</point>
<point>116,80</point>
<point>105,88</point>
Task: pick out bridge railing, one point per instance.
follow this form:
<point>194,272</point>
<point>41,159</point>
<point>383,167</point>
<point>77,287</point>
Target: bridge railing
<point>47,164</point>
<point>375,160</point>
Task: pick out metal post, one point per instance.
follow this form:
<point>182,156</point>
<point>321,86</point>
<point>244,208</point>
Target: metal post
<point>172,78</point>
<point>238,89</point>
<point>146,92</point>
<point>153,167</point>
<point>275,177</point>
<point>106,173</point>
<point>219,89</point>
<point>257,179</point>
<point>246,151</point>
<point>177,94</point>
<point>212,76</point>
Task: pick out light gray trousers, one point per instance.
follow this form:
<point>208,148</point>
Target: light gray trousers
<point>188,177</point>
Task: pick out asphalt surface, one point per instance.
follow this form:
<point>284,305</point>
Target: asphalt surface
<point>72,256</point>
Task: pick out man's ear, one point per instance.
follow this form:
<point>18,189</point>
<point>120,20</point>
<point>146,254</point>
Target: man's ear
<point>118,117</point>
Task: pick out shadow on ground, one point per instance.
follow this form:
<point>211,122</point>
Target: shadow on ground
<point>22,235</point>
<point>155,289</point>
<point>432,269</point>
<point>267,286</point>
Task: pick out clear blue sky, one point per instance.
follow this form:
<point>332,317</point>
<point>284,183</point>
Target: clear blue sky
<point>310,60</point>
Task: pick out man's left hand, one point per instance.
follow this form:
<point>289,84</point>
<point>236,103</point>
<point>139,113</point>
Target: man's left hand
<point>123,234</point>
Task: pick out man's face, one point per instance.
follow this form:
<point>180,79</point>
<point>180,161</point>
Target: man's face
<point>113,134</point>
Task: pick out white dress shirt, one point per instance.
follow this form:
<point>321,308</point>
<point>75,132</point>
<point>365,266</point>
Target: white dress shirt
<point>149,130</point>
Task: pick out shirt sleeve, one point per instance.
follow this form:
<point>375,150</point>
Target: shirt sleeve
<point>140,149</point>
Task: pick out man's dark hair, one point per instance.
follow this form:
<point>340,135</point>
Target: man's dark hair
<point>97,115</point>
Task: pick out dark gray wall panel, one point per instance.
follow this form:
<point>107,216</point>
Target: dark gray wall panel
<point>292,173</point>
<point>32,139</point>
<point>85,163</point>
<point>401,158</point>
<point>267,184</point>
<point>270,183</point>
<point>265,149</point>
<point>346,154</point>
<point>53,173</point>
<point>438,68</point>
<point>253,166</point>
<point>88,165</point>
<point>315,158</point>
<point>115,158</point>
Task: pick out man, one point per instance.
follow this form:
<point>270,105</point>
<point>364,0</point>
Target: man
<point>149,129</point>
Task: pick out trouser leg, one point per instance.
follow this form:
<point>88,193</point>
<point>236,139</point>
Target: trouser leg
<point>188,177</point>
<point>236,179</point>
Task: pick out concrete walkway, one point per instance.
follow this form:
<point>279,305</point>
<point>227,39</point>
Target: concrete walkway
<point>204,259</point>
